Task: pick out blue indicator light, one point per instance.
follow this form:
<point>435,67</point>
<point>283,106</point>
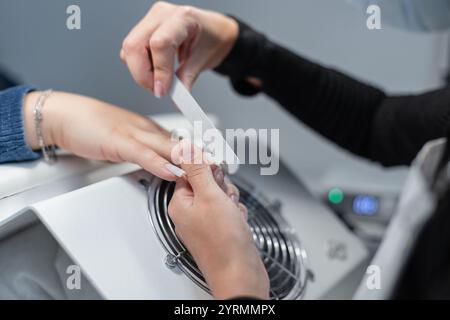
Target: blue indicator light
<point>365,205</point>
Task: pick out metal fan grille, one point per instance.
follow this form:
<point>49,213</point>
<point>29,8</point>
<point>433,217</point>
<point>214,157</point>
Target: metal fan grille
<point>280,250</point>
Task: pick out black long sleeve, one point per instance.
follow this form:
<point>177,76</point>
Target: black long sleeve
<point>356,116</point>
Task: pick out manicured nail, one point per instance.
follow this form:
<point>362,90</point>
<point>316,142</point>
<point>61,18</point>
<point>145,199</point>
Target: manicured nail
<point>232,190</point>
<point>175,170</point>
<point>234,198</point>
<point>243,210</point>
<point>159,89</point>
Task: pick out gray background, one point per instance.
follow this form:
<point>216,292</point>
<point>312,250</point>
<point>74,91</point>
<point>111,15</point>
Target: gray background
<point>37,48</point>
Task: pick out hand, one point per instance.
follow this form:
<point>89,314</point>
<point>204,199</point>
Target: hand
<point>201,39</point>
<point>214,230</point>
<point>96,130</point>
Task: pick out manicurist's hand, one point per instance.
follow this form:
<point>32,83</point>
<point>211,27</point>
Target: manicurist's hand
<point>200,40</point>
<point>97,130</point>
<point>212,225</point>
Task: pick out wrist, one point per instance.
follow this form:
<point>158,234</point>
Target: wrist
<point>230,36</point>
<point>47,124</point>
<point>240,279</point>
<point>225,30</point>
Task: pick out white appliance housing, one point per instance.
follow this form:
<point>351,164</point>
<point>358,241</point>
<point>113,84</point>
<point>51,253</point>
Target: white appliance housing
<point>99,214</point>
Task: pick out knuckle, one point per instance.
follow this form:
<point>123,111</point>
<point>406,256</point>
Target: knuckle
<point>148,159</point>
<point>151,157</point>
<point>190,77</point>
<point>144,124</point>
<point>185,11</point>
<point>162,70</point>
<point>161,42</point>
<point>129,44</point>
<point>160,5</point>
<point>141,79</point>
<point>197,171</point>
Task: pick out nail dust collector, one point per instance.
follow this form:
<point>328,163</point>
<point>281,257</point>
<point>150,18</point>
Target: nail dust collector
<point>112,221</point>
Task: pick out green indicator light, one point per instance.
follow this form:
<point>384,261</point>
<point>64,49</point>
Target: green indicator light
<point>335,195</point>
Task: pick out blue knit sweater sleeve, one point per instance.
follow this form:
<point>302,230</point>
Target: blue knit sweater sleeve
<point>12,139</point>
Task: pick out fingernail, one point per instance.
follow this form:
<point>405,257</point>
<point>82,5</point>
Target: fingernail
<point>159,89</point>
<point>232,189</point>
<point>243,210</point>
<point>234,198</point>
<point>175,170</point>
<point>219,176</point>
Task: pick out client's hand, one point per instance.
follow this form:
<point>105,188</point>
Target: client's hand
<point>97,130</point>
<point>214,229</point>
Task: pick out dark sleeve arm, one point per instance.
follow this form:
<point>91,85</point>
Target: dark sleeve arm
<point>354,115</point>
<point>13,146</point>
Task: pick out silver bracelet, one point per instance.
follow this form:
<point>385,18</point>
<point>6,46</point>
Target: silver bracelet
<point>47,151</point>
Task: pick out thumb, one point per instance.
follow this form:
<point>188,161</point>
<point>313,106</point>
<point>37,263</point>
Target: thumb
<point>183,191</point>
<point>197,168</point>
<point>182,199</point>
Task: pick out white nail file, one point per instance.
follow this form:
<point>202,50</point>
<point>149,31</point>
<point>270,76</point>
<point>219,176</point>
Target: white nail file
<point>194,113</point>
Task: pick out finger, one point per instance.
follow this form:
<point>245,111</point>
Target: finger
<point>157,142</point>
<point>183,189</point>
<point>164,46</point>
<point>182,199</point>
<point>198,171</point>
<point>219,176</point>
<point>192,64</point>
<point>189,72</point>
<point>184,52</point>
<point>139,64</point>
<point>243,210</point>
<point>232,192</point>
<point>143,156</point>
<point>235,199</point>
<point>135,48</point>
